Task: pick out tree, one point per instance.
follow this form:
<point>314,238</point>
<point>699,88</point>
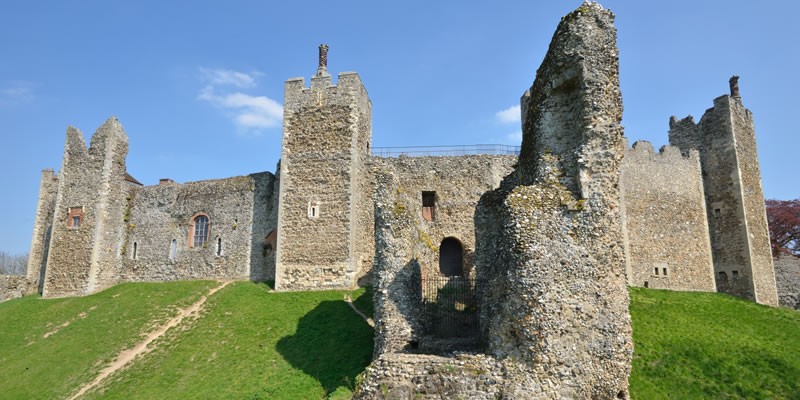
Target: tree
<point>784,226</point>
<point>13,264</point>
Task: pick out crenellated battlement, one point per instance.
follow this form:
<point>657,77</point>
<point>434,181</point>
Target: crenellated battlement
<point>644,150</point>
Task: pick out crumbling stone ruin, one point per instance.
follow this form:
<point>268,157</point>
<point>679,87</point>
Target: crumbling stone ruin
<point>495,275</point>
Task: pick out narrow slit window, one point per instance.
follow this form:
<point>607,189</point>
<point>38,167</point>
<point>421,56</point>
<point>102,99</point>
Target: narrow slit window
<point>655,271</point>
<point>313,209</point>
<point>664,270</point>
<point>219,247</point>
<point>135,248</point>
<point>429,205</point>
<point>173,249</point>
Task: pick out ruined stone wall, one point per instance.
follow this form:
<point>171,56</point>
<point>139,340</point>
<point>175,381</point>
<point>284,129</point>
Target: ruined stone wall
<point>787,278</point>
<point>321,195</point>
<point>664,214</point>
<point>238,210</point>
<point>550,245</point>
<point>15,286</point>
<point>734,198</point>
<point>91,182</point>
<point>42,228</point>
<point>408,244</point>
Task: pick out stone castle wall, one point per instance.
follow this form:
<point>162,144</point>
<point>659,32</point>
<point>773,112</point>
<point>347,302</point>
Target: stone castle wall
<point>15,286</point>
<point>408,244</point>
<point>159,219</point>
<point>787,276</point>
<point>323,201</point>
<point>664,215</point>
<point>42,228</point>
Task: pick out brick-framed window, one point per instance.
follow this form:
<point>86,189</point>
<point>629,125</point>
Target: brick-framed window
<point>199,230</point>
<point>429,205</point>
<point>75,217</point>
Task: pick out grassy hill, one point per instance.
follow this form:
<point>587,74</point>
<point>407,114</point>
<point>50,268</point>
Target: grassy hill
<point>250,343</point>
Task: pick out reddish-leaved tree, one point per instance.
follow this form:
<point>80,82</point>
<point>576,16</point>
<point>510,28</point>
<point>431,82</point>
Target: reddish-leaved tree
<point>784,226</point>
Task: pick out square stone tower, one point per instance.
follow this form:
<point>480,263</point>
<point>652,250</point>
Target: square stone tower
<point>737,219</point>
<point>325,215</point>
<point>89,218</point>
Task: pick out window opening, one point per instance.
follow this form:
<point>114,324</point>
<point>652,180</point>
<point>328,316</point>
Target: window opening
<point>646,284</point>
<point>313,209</point>
<point>655,271</point>
<point>75,217</point>
<point>664,270</point>
<point>429,205</point>
<point>219,246</point>
<point>717,212</point>
<point>723,276</point>
<point>451,257</point>
<point>201,230</point>
<point>735,274</point>
<point>173,249</point>
<point>135,246</point>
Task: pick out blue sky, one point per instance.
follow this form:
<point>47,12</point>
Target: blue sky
<point>198,85</point>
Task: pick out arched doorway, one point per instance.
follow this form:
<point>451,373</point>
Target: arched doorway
<point>451,257</point>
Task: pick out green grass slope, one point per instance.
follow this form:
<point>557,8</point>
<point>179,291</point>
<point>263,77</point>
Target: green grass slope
<point>48,348</point>
<point>712,346</point>
<point>251,343</point>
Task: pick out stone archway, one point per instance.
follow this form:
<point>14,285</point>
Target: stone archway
<point>451,257</point>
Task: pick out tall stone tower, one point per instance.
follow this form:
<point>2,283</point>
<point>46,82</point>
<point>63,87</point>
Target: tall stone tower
<point>89,218</point>
<point>737,220</point>
<point>325,215</point>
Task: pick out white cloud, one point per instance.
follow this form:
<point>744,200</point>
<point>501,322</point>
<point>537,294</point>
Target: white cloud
<point>17,92</point>
<point>226,77</point>
<point>250,113</point>
<point>509,115</point>
<point>515,137</point>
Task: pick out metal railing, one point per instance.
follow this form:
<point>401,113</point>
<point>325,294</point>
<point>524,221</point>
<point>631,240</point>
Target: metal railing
<point>454,150</point>
<point>449,307</point>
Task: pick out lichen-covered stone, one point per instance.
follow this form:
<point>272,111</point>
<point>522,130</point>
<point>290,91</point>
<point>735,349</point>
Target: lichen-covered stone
<point>550,247</point>
<point>787,275</point>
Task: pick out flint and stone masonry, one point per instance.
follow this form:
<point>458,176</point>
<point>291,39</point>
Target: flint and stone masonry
<point>548,239</point>
<point>737,220</point>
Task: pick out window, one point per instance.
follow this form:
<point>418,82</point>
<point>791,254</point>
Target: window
<point>664,270</point>
<point>75,217</point>
<point>313,209</point>
<point>135,248</point>
<point>723,277</point>
<point>717,212</point>
<point>199,230</point>
<point>646,284</point>
<point>429,205</point>
<point>219,246</point>
<point>173,249</point>
<point>655,271</point>
<point>735,274</point>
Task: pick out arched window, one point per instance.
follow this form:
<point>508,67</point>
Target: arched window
<point>451,257</point>
<point>200,230</point>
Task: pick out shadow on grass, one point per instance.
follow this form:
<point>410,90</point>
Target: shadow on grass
<point>332,344</point>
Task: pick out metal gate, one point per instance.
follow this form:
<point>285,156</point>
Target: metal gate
<point>449,307</point>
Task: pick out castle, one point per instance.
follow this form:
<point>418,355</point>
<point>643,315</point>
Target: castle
<point>554,233</point>
<point>693,212</point>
